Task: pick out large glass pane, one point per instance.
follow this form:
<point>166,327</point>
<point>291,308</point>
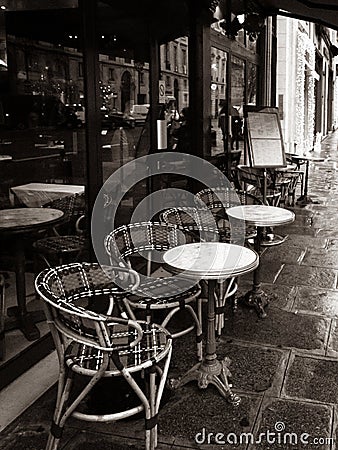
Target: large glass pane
<point>218,100</point>
<point>174,72</point>
<point>237,102</point>
<point>252,84</point>
<point>43,120</point>
<point>42,157</point>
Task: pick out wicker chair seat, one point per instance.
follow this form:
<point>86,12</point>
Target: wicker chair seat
<point>68,240</point>
<point>159,294</point>
<point>152,347</point>
<point>60,244</point>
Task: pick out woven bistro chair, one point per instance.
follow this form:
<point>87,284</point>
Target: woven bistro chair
<point>198,224</point>
<point>218,199</point>
<point>212,198</point>
<point>252,179</point>
<point>139,244</point>
<point>68,242</point>
<point>97,345</point>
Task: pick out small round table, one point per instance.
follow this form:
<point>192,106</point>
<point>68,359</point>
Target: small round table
<point>260,216</point>
<point>17,225</point>
<point>304,199</point>
<point>211,261</point>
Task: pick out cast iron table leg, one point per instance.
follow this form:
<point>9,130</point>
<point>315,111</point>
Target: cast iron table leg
<point>19,317</point>
<point>211,370</point>
<point>305,199</point>
<point>257,298</point>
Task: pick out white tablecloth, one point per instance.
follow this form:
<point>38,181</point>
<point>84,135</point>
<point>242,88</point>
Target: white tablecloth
<point>37,194</point>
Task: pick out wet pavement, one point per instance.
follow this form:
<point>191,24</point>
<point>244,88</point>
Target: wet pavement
<point>284,367</point>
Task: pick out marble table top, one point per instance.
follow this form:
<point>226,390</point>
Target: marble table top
<point>25,219</point>
<point>261,215</point>
<point>211,260</point>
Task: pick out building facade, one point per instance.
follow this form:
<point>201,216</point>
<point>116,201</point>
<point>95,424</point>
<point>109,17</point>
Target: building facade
<point>306,83</point>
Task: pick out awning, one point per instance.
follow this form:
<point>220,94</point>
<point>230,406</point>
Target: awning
<point>323,12</point>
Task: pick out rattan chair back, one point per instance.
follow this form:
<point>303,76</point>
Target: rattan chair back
<point>141,240</point>
<point>72,206</point>
<point>219,198</point>
<point>198,222</point>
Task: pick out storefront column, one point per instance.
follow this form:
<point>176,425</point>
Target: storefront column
<point>200,79</point>
<point>93,157</point>
<point>267,67</point>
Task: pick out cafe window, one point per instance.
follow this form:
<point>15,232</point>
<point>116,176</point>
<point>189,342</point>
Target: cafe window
<point>42,134</point>
<point>252,84</point>
<point>111,74</point>
<point>175,58</point>
<point>184,61</point>
<point>237,102</point>
<point>218,100</point>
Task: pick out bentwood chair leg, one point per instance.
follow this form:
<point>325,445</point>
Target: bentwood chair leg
<point>199,312</point>
<point>129,311</point>
<point>64,388</point>
<point>181,333</point>
<point>152,403</point>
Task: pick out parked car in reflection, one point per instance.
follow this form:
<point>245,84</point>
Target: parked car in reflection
<point>120,119</point>
<point>111,120</point>
<point>26,111</point>
<point>139,113</point>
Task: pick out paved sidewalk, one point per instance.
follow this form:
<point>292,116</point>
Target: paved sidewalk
<point>284,367</point>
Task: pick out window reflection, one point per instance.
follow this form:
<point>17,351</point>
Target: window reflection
<point>237,102</point>
<point>42,116</point>
<point>252,84</point>
<point>218,100</point>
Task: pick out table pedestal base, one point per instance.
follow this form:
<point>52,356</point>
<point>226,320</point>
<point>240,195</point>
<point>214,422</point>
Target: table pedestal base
<point>25,322</point>
<point>257,300</point>
<point>273,239</point>
<point>306,200</point>
<point>216,373</point>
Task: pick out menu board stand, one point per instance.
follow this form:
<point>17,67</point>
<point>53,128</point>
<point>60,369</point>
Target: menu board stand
<point>264,139</point>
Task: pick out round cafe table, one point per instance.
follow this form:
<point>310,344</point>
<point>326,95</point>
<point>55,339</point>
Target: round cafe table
<point>304,199</point>
<point>260,216</point>
<point>16,227</point>
<point>211,261</point>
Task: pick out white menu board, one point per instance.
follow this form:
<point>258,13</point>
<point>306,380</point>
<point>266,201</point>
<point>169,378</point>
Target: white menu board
<point>264,136</point>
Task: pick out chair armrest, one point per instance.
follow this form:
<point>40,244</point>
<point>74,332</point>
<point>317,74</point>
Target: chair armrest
<point>80,225</point>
